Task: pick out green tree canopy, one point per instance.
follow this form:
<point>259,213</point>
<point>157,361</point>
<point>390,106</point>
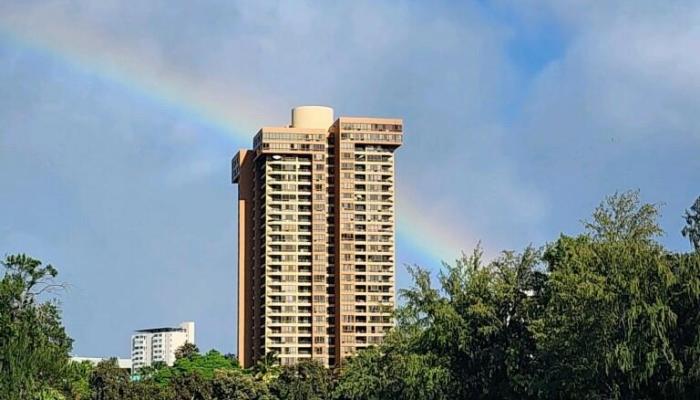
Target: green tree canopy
<point>187,350</point>
<point>607,319</point>
<point>203,365</point>
<point>234,384</point>
<point>109,382</point>
<point>692,225</point>
<point>33,343</point>
<point>306,380</point>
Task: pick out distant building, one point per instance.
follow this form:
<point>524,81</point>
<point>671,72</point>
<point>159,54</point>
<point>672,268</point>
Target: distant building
<point>316,210</point>
<point>123,363</point>
<point>159,344</point>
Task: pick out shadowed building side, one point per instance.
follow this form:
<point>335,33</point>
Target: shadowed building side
<point>242,174</point>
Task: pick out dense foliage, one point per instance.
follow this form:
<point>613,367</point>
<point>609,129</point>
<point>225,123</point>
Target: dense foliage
<point>33,344</point>
<point>609,313</point>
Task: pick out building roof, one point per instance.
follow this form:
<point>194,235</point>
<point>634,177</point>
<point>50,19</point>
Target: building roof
<point>160,330</point>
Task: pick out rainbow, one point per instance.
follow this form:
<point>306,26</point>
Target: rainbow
<point>232,117</point>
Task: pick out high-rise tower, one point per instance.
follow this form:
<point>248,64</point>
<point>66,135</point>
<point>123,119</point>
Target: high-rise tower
<point>316,236</point>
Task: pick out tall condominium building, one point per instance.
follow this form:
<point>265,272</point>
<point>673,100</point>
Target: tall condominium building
<point>159,344</point>
<point>316,236</point>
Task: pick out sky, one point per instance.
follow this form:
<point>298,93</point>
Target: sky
<point>118,122</point>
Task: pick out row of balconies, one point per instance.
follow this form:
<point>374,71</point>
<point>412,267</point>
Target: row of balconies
<point>288,248</point>
<point>288,187</point>
<point>352,236</point>
<point>374,248</point>
<point>360,207</point>
<point>363,278</point>
<point>372,269</point>
<point>377,158</point>
<point>365,330</point>
<point>382,239</point>
<point>362,319</point>
<point>368,226</point>
<point>279,177</point>
<point>284,269</point>
<point>374,187</point>
<point>372,159</point>
<point>288,279</point>
<point>299,289</point>
<point>372,127</point>
<point>361,340</point>
<point>282,198</point>
<point>285,167</point>
<point>303,330</point>
<point>293,136</point>
<point>290,239</point>
<point>373,289</point>
<point>289,208</point>
<point>373,258</point>
<point>289,319</point>
<point>374,168</point>
<point>367,310</point>
<point>289,228</point>
<point>372,228</point>
<point>306,218</point>
<point>302,351</point>
<point>273,258</point>
<point>289,341</point>
<point>291,330</point>
<point>282,300</point>
<point>289,309</point>
<point>360,299</point>
<point>362,179</point>
<point>368,198</point>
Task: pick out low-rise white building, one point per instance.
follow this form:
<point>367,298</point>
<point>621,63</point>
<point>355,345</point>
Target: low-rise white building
<point>159,344</point>
<point>123,363</point>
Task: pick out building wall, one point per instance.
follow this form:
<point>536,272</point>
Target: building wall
<point>316,237</point>
<point>159,345</point>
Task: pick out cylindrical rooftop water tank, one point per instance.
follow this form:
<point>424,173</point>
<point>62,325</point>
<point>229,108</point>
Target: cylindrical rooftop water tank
<point>314,117</point>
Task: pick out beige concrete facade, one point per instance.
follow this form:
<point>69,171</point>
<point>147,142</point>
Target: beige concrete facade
<point>316,235</point>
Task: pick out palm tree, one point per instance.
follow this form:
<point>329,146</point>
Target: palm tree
<point>267,368</point>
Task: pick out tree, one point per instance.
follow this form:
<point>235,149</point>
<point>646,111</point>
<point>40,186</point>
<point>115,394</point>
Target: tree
<point>238,385</point>
<point>472,333</point>
<point>394,372</point>
<point>148,372</point>
<point>187,350</point>
<point>692,227</point>
<point>33,343</point>
<point>150,390</point>
<point>605,314</point>
<point>363,377</point>
<point>267,369</point>
<point>76,380</point>
<point>683,381</point>
<point>109,382</point>
<point>191,386</point>
<point>203,365</point>
<point>606,322</point>
<point>306,380</point>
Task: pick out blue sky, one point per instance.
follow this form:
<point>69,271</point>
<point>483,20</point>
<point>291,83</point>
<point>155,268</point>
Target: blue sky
<point>118,122</point>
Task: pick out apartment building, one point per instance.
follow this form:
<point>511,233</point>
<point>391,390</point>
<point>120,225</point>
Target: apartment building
<point>316,234</point>
<point>159,344</point>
